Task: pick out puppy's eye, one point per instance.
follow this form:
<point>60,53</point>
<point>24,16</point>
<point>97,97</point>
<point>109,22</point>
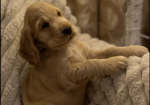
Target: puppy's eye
<point>44,25</point>
<point>58,13</point>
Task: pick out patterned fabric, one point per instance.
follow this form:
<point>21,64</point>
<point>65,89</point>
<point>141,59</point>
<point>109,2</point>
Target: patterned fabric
<point>111,23</point>
<point>86,14</point>
<point>119,22</point>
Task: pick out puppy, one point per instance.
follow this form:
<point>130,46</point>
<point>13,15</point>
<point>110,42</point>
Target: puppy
<point>62,66</point>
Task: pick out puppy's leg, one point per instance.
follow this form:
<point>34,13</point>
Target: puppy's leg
<point>97,68</point>
<point>120,51</point>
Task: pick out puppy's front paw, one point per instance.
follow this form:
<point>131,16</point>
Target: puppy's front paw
<point>116,64</point>
<point>137,50</point>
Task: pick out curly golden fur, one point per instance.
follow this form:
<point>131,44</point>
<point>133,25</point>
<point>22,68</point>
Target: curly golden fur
<point>62,66</point>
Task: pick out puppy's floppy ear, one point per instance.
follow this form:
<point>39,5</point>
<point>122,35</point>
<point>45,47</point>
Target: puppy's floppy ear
<point>27,48</point>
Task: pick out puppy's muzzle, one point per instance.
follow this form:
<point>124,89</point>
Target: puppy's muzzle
<point>67,31</point>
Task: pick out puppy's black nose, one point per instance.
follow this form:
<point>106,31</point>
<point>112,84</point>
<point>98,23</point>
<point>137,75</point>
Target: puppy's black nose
<point>67,31</point>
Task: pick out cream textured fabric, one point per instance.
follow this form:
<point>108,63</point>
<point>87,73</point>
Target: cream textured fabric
<point>131,87</point>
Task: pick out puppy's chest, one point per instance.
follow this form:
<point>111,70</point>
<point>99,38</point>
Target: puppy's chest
<point>75,55</point>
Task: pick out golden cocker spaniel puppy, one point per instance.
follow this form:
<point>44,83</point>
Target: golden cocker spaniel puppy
<point>62,66</point>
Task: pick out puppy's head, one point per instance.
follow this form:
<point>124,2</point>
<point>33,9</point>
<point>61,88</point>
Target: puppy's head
<point>45,27</point>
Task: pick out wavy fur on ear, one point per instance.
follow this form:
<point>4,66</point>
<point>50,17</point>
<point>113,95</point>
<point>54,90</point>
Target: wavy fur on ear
<point>27,48</point>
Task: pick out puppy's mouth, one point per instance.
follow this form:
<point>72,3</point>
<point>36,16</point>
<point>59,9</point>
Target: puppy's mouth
<point>71,37</point>
<point>68,39</point>
<point>65,42</point>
